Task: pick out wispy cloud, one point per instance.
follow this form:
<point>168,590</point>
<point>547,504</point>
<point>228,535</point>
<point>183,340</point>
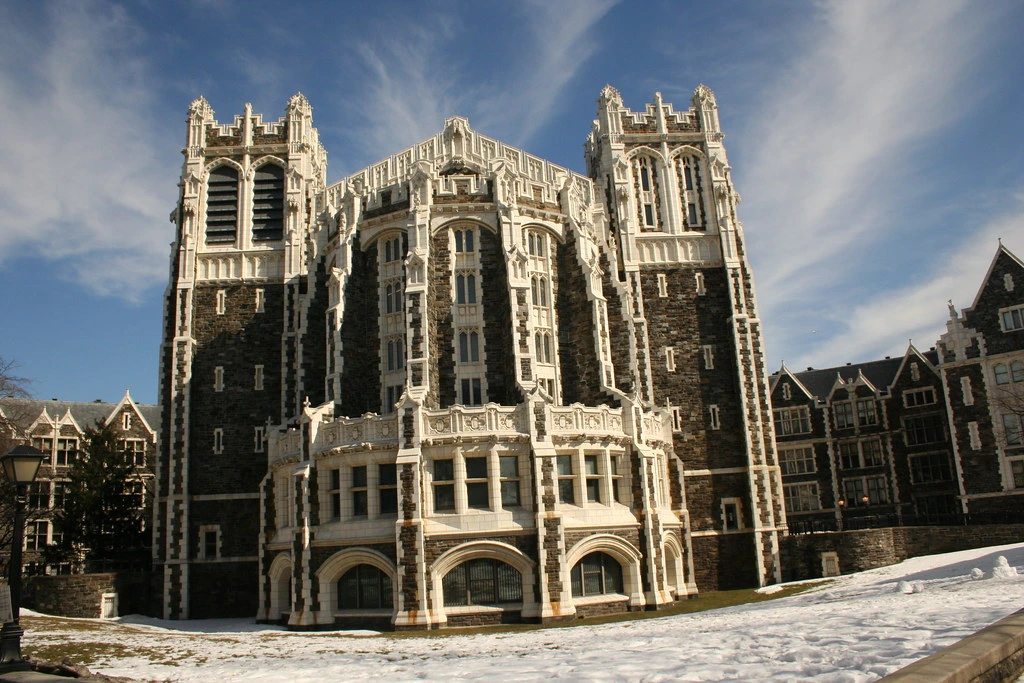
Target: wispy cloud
<point>916,312</point>
<point>417,75</point>
<point>79,181</point>
<point>838,132</point>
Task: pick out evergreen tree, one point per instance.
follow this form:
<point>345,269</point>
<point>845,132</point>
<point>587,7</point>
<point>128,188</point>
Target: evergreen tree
<point>104,515</point>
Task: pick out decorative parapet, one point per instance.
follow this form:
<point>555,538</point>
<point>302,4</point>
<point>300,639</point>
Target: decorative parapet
<point>465,424</point>
<point>582,421</point>
<point>461,422</point>
<point>369,429</point>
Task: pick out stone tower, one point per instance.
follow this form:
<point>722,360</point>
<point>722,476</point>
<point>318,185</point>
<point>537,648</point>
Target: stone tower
<point>232,357</point>
<point>687,336</point>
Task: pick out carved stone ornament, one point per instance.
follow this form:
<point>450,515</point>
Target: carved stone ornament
<point>200,109</point>
<point>610,95</point>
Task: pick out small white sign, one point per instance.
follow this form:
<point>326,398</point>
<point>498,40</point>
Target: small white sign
<point>6,611</point>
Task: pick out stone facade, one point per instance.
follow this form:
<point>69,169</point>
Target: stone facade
<point>491,389</point>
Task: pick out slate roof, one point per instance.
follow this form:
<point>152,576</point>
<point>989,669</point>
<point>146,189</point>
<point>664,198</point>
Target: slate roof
<point>881,374</point>
<point>24,411</point>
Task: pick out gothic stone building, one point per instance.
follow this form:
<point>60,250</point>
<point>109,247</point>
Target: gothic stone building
<point>928,438</point>
<point>57,428</point>
<point>463,385</point>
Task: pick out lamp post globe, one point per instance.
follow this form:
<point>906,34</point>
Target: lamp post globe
<point>20,465</point>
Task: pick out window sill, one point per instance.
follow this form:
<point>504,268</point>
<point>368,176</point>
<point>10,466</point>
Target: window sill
<point>476,609</point>
<point>599,599</point>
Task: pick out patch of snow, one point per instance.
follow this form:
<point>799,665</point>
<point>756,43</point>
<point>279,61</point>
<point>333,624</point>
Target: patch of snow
<point>1003,570</point>
<point>854,628</point>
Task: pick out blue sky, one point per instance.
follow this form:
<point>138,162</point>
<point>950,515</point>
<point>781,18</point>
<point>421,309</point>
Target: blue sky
<point>876,145</point>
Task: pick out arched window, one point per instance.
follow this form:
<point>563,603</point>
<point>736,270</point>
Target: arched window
<point>222,205</point>
<point>536,244</point>
<point>389,305</point>
<point>364,587</point>
<point>268,203</point>
<point>596,574</point>
<point>1001,373</point>
<point>482,582</point>
<point>542,340</point>
<point>1017,370</point>
<point>647,187</point>
<point>688,172</point>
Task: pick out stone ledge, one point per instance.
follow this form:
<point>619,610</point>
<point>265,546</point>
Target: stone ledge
<point>995,653</point>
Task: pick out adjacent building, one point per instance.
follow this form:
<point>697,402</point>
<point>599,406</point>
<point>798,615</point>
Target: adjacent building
<point>929,438</point>
<point>57,428</point>
<point>463,385</point>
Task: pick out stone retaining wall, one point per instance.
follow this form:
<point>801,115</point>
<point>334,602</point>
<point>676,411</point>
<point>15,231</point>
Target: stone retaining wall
<point>871,548</point>
<point>80,595</point>
<point>995,653</point>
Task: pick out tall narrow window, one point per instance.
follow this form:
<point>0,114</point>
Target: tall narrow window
<point>617,481</point>
<point>268,203</point>
<point>477,488</point>
<point>647,201</point>
<point>218,378</point>
<point>509,469</point>
<point>662,285</point>
<point>259,437</point>
<point>689,177</point>
<point>387,488</point>
<point>444,485</point>
<point>260,300</point>
<point>218,440</point>
<point>699,280</point>
<point>222,297</point>
<point>359,496</point>
<point>593,479</point>
<point>334,492</point>
<point>472,391</point>
<point>464,242</point>
<point>566,479</point>
<point>222,205</point>
<point>670,359</point>
<point>465,289</point>
<point>713,417</point>
<point>258,378</point>
<point>126,420</point>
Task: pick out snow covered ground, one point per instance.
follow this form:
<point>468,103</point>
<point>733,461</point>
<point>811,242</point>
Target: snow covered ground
<point>855,628</point>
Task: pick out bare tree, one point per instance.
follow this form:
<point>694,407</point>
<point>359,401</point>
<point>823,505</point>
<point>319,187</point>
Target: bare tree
<point>1008,399</point>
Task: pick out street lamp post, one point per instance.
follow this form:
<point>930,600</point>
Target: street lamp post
<point>20,465</point>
